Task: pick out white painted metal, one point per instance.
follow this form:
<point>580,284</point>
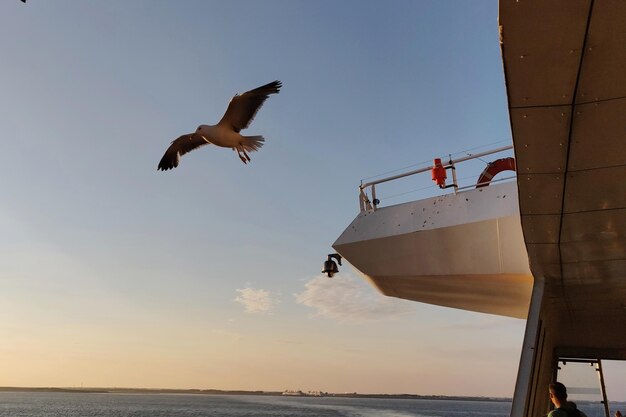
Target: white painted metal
<point>460,250</point>
<point>475,205</point>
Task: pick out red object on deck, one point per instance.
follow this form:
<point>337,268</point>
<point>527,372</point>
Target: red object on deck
<point>494,168</point>
<point>439,174</point>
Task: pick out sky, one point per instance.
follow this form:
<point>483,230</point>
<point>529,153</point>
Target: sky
<point>208,276</point>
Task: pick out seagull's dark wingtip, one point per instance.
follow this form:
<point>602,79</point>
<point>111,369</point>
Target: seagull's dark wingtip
<point>165,165</point>
<point>271,88</point>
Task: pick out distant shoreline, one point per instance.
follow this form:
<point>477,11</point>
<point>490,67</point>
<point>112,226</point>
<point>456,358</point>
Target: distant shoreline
<point>238,392</point>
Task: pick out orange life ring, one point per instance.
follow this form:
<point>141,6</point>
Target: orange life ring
<point>494,168</point>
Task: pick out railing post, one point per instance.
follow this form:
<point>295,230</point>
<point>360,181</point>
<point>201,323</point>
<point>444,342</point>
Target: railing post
<point>453,169</point>
<point>374,201</point>
<point>361,200</point>
<point>364,202</point>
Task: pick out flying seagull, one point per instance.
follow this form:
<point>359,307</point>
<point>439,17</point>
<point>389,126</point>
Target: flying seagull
<point>240,112</point>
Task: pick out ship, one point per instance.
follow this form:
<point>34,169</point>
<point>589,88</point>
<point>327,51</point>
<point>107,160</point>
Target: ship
<point>547,245</point>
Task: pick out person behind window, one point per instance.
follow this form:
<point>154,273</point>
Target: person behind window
<point>562,407</point>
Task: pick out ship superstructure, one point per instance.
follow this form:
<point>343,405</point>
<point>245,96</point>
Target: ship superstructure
<point>463,249</point>
<point>550,246</point>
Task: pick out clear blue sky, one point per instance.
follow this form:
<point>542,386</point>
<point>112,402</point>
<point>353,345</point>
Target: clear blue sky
<point>114,274</point>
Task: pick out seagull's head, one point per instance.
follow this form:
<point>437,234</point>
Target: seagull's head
<point>203,130</point>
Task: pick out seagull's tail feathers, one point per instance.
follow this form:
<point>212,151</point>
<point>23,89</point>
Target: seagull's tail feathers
<point>252,143</point>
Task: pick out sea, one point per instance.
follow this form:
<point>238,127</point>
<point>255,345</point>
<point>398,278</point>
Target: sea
<point>61,404</point>
<point>64,404</point>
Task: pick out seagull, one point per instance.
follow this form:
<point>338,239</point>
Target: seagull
<point>240,112</point>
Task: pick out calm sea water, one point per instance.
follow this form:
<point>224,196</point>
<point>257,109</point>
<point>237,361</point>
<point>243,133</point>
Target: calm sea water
<point>40,404</point>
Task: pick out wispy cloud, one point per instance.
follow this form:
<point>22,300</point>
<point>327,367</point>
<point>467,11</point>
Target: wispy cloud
<point>256,301</point>
<point>347,299</point>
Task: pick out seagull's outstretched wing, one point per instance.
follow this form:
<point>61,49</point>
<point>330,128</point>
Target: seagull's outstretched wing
<point>179,147</point>
<point>242,108</point>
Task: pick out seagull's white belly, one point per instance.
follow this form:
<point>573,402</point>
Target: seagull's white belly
<point>221,136</point>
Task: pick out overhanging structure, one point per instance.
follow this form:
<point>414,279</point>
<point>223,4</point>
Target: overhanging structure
<point>565,70</point>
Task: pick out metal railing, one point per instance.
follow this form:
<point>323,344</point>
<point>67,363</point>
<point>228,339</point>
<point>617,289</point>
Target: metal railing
<point>366,204</point>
